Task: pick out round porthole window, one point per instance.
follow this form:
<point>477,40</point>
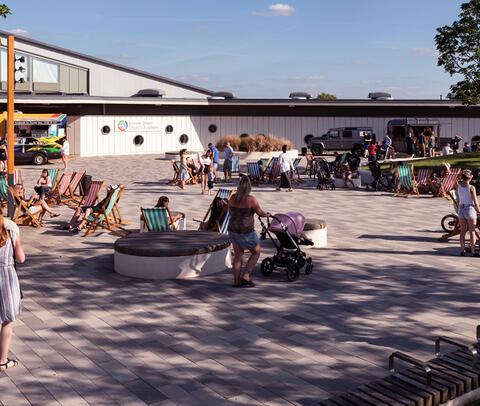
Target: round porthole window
<point>212,128</point>
<point>307,138</point>
<point>183,139</point>
<point>105,130</point>
<point>169,129</point>
<point>138,140</point>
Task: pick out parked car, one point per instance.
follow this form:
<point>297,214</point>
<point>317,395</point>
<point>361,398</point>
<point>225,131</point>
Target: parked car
<point>30,150</point>
<point>341,139</point>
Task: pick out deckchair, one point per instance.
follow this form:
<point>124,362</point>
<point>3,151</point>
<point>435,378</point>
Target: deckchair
<point>60,189</point>
<point>53,173</point>
<point>254,171</point>
<point>275,170</point>
<point>176,173</point>
<point>406,182</point>
<point>22,213</point>
<point>235,164</point>
<point>423,180</point>
<point>103,217</point>
<point>17,177</point>
<point>116,207</point>
<point>74,184</point>
<point>91,197</point>
<point>448,183</point>
<point>295,164</point>
<point>157,219</point>
<point>223,194</point>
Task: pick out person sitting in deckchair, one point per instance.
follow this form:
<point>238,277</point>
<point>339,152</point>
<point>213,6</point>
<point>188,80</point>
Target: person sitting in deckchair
<point>216,213</point>
<point>35,206</point>
<point>163,202</point>
<point>87,210</point>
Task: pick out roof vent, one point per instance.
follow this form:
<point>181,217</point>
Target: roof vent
<point>300,95</point>
<point>149,93</point>
<point>380,96</point>
<point>222,95</point>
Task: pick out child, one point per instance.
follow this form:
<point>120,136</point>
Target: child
<point>372,152</point>
<point>210,179</point>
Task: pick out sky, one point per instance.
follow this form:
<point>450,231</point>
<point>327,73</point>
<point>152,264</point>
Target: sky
<point>256,48</point>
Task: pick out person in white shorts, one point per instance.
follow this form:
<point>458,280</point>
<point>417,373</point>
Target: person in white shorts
<point>467,211</point>
<point>65,150</point>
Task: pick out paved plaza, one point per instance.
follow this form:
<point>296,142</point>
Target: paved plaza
<point>90,336</point>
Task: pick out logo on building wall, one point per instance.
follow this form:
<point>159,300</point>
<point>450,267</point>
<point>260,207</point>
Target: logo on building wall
<point>122,125</point>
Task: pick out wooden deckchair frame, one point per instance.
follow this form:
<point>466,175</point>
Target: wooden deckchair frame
<point>91,197</point>
<point>444,191</point>
<point>73,185</point>
<point>227,192</point>
<point>22,214</point>
<point>104,218</point>
<point>56,195</point>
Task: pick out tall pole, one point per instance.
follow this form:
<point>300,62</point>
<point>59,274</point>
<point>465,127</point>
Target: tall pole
<point>10,119</point>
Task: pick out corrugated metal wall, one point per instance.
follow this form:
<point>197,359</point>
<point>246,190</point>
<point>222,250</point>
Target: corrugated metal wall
<point>156,140</point>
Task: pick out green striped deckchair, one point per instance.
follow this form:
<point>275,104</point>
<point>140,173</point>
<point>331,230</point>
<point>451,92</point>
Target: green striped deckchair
<point>3,188</point>
<point>157,219</point>
<point>104,217</point>
<point>53,173</point>
<point>406,182</point>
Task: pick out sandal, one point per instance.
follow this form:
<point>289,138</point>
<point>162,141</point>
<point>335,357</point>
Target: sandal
<point>247,284</point>
<point>9,364</point>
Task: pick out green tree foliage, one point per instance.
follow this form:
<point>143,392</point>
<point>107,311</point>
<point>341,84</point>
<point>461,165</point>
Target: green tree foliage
<point>4,10</point>
<point>458,46</point>
<point>327,96</point>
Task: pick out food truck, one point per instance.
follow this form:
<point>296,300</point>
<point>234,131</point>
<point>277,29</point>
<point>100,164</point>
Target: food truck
<point>38,137</point>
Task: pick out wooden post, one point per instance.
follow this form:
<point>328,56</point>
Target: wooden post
<point>10,119</point>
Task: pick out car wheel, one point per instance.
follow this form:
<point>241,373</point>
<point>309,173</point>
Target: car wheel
<point>39,159</point>
<point>317,149</point>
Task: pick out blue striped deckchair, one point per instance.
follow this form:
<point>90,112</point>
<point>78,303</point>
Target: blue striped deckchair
<point>274,172</point>
<point>223,224</point>
<point>3,188</point>
<point>223,194</point>
<point>254,171</point>
<point>406,182</point>
<point>53,173</point>
<point>104,217</point>
<point>157,219</point>
<point>235,164</point>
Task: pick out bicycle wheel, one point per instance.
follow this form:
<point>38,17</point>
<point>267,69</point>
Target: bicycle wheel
<point>449,222</point>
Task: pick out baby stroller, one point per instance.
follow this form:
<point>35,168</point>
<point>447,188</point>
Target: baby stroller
<point>288,229</point>
<point>325,176</point>
<point>380,181</point>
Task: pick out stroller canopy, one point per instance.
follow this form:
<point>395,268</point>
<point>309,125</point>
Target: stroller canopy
<point>294,221</point>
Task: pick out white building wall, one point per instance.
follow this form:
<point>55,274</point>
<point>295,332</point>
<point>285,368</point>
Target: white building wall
<point>156,140</point>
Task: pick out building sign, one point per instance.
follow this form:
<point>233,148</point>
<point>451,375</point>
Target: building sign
<point>137,125</point>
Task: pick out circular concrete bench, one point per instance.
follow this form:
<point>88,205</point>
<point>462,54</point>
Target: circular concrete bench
<point>172,254</point>
<point>316,230</point>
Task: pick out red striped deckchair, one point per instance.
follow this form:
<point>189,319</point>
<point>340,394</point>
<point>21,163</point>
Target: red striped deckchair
<point>61,188</point>
<point>448,183</point>
<point>423,180</point>
<point>275,171</point>
<point>90,198</point>
<point>74,184</point>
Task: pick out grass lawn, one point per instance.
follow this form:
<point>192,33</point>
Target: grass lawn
<point>465,160</point>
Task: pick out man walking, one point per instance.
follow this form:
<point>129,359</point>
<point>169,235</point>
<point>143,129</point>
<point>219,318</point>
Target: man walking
<point>227,162</point>
<point>421,144</point>
<point>285,170</point>
<point>455,143</point>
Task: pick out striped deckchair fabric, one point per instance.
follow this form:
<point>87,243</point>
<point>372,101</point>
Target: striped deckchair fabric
<point>295,164</point>
<point>91,197</point>
<point>254,171</point>
<point>53,173</point>
<point>406,182</point>
<point>223,224</point>
<point>3,188</point>
<point>104,217</point>
<point>18,177</point>
<point>275,171</point>
<point>61,188</point>
<point>223,194</point>
<point>235,164</point>
<point>449,182</point>
<point>24,213</point>
<point>423,179</point>
<point>157,219</point>
<point>74,184</point>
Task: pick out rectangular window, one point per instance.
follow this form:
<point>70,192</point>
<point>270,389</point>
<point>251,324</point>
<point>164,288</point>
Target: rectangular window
<point>44,71</point>
<point>347,134</point>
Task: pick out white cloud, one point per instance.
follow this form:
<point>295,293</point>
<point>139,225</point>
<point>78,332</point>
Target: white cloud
<point>277,9</point>
<point>425,51</point>
<point>19,31</point>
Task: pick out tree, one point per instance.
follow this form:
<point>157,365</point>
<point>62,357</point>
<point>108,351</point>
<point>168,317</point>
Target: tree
<point>327,96</point>
<point>458,47</point>
<point>4,10</point>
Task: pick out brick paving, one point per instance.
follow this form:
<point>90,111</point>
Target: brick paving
<point>90,336</point>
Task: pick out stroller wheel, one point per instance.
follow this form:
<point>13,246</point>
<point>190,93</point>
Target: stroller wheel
<point>309,267</point>
<point>449,222</point>
<point>293,272</point>
<point>267,267</point>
